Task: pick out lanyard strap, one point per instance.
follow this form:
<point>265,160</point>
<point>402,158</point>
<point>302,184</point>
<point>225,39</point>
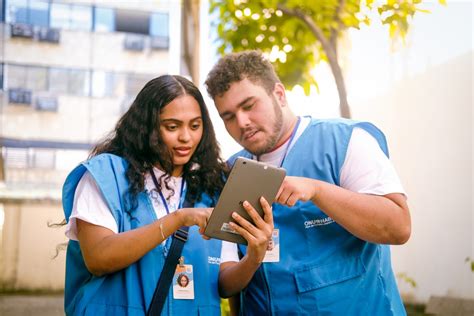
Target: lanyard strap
<point>172,259</point>
<point>293,133</point>
<point>165,203</point>
<point>290,142</point>
<point>166,276</point>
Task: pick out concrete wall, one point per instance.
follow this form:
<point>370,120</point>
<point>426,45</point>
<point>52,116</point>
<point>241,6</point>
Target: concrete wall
<point>428,121</point>
<point>421,96</point>
<point>28,246</point>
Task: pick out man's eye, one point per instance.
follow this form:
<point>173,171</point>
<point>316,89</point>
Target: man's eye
<point>248,106</point>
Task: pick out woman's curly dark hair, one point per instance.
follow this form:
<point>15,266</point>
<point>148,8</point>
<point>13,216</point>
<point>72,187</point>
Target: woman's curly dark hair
<point>137,139</point>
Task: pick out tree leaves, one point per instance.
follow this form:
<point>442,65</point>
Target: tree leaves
<point>287,40</point>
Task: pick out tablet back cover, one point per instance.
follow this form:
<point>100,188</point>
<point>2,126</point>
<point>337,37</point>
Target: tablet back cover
<point>248,180</point>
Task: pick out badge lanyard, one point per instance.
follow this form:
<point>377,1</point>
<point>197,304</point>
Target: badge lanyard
<point>165,203</point>
<point>290,141</point>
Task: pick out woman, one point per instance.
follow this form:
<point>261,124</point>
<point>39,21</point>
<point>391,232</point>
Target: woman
<point>125,201</point>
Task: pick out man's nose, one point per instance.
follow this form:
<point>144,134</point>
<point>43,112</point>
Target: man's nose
<point>243,120</point>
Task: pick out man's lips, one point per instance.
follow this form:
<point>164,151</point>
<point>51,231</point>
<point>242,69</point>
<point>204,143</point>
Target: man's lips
<point>182,151</point>
<point>248,135</point>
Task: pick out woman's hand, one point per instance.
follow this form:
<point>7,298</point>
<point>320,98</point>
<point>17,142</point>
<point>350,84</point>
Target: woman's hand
<point>195,216</point>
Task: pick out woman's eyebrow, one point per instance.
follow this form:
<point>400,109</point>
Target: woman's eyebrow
<point>180,121</point>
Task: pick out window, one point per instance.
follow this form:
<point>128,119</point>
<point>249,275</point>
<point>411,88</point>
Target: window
<point>104,20</point>
<point>32,78</point>
<point>1,76</point>
<point>16,157</point>
<point>58,80</point>
<point>135,83</point>
<point>32,12</point>
<point>71,16</point>
<point>16,76</point>
<point>79,82</point>
<point>29,158</point>
<point>43,158</point>
<point>159,24</point>
<point>37,78</point>
<point>81,18</point>
<point>132,21</point>
<point>39,13</point>
<point>17,11</point>
<point>68,159</point>
<point>69,81</point>
<point>2,18</point>
<point>59,15</point>
<point>103,84</point>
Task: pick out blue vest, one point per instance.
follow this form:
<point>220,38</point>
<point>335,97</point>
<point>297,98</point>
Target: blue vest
<point>129,291</point>
<point>323,269</point>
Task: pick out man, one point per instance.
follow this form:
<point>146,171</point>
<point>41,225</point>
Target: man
<point>337,210</point>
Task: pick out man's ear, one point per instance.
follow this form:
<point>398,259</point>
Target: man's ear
<point>279,93</point>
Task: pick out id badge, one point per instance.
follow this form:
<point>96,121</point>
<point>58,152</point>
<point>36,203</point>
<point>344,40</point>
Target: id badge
<point>183,282</point>
<point>273,249</point>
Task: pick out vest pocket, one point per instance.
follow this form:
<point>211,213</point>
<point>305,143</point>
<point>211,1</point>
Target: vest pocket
<point>314,277</point>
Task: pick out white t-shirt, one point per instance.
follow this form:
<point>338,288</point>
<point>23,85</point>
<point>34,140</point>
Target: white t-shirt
<point>90,206</point>
<point>366,169</point>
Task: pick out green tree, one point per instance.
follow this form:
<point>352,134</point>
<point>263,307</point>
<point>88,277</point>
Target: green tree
<point>298,34</point>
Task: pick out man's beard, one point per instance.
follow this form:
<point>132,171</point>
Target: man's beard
<point>271,141</point>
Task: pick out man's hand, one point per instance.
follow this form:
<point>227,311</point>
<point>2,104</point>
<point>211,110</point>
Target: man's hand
<point>294,189</point>
<point>257,235</point>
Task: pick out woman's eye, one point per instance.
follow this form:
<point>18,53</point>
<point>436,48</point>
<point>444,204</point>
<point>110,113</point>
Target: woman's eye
<point>195,126</point>
<point>228,118</point>
<point>171,127</point>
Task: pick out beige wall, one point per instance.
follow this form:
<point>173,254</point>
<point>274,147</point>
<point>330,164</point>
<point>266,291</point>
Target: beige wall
<point>428,121</point>
<point>28,246</point>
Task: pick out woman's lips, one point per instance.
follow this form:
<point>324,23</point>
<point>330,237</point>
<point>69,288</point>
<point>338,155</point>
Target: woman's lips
<point>182,151</point>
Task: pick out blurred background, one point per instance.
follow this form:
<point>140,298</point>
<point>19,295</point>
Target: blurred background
<point>69,69</point>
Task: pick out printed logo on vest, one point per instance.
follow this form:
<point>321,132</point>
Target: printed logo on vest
<point>213,260</point>
<point>318,222</point>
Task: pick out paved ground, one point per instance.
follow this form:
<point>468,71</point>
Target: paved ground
<point>38,305</point>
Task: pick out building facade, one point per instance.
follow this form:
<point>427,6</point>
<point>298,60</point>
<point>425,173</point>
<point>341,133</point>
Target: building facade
<point>68,71</point>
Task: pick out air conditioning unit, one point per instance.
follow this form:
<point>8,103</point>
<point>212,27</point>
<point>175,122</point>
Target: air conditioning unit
<point>19,95</point>
<point>21,30</point>
<point>134,42</point>
<point>49,104</point>
<point>159,42</point>
<point>46,34</point>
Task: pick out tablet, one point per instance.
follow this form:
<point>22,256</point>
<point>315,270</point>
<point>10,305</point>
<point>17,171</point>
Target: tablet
<point>248,181</point>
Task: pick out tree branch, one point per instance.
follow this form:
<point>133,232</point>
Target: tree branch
<point>337,18</point>
<point>316,30</point>
<point>330,51</point>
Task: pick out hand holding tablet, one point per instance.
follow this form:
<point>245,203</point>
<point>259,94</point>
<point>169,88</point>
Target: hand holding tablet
<point>248,181</point>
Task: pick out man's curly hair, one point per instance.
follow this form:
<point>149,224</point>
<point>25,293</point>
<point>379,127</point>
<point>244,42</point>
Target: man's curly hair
<point>238,66</point>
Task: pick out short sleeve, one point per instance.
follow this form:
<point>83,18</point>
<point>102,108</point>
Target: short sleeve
<point>89,206</point>
<point>366,168</point>
<point>229,252</point>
